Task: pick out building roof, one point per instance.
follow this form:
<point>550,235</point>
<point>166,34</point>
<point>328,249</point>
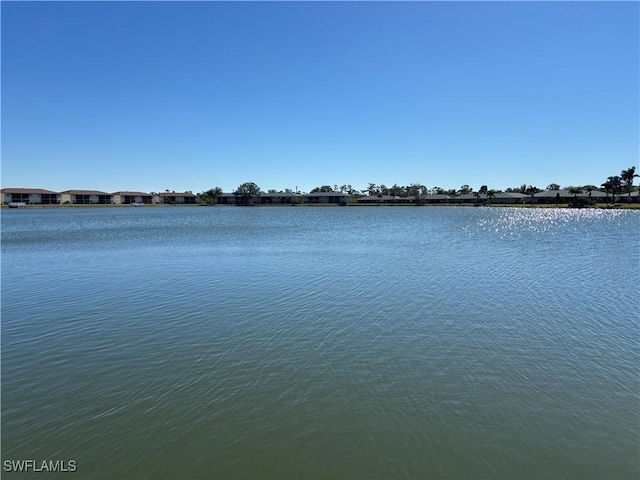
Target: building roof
<point>136,194</point>
<point>567,193</point>
<point>26,190</point>
<point>85,192</point>
<point>280,194</point>
<point>470,196</point>
<point>597,194</point>
<point>381,198</point>
<point>510,195</point>
<point>327,194</point>
<point>176,194</point>
<point>436,196</point>
<point>553,194</point>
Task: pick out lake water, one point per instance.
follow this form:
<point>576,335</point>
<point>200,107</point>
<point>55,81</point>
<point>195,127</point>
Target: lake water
<point>357,342</point>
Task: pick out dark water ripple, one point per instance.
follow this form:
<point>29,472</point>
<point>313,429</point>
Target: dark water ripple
<point>322,343</point>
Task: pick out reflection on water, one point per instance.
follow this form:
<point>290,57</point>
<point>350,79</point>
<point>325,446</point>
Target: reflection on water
<point>322,343</point>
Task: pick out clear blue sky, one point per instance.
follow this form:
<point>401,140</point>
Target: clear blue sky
<point>186,96</point>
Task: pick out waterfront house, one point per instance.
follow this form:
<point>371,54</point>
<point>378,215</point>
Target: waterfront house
<point>624,197</point>
<point>565,196</point>
<point>337,198</point>
<point>553,196</point>
<point>370,199</point>
<point>471,198</point>
<point>128,198</point>
<point>509,198</point>
<point>226,199</point>
<point>597,196</point>
<point>280,198</point>
<point>385,199</point>
<point>29,196</point>
<point>174,198</point>
<point>437,198</point>
<point>85,197</point>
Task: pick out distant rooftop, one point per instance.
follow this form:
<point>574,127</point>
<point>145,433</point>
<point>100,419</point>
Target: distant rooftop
<point>135,194</point>
<point>27,190</point>
<point>85,192</point>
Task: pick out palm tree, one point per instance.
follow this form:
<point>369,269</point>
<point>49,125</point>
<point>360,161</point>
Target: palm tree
<point>415,189</point>
<point>211,196</point>
<point>607,188</point>
<point>214,193</point>
<point>531,190</point>
<point>589,189</point>
<point>627,176</point>
<point>575,191</point>
<point>490,194</point>
<point>615,186</point>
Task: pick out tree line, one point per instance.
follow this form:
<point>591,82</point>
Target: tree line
<point>613,185</point>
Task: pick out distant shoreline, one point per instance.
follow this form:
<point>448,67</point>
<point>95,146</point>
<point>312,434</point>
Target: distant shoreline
<point>601,206</point>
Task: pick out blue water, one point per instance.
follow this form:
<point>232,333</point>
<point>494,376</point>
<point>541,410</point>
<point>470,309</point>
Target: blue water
<point>404,342</point>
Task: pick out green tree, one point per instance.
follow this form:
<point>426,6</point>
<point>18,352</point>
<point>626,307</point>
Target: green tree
<point>371,190</point>
<point>608,187</point>
<point>627,177</point>
<point>210,197</point>
<point>589,189</point>
<point>490,194</point>
<point>249,193</point>
<point>530,190</point>
<point>553,186</point>
<point>323,188</point>
<point>616,183</point>
<point>575,191</point>
<point>521,189</point>
<point>397,191</point>
<point>482,191</point>
<point>415,190</point>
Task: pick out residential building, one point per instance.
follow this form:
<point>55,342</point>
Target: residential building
<point>470,198</point>
<point>509,198</point>
<point>29,196</point>
<point>386,199</point>
<point>338,198</point>
<point>565,196</point>
<point>128,198</point>
<point>280,198</point>
<point>174,198</point>
<point>85,197</point>
<point>437,198</point>
<point>226,199</point>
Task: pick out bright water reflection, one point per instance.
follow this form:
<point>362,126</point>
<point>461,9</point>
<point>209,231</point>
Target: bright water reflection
<point>322,342</point>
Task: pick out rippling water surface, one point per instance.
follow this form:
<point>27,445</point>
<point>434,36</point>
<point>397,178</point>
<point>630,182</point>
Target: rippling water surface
<point>434,342</point>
